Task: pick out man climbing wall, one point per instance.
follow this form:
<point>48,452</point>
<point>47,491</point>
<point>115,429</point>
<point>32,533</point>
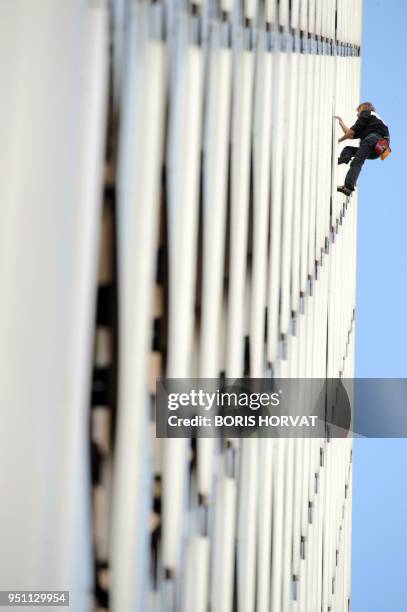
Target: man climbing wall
<point>374,142</point>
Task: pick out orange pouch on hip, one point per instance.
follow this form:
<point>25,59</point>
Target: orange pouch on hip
<point>385,153</point>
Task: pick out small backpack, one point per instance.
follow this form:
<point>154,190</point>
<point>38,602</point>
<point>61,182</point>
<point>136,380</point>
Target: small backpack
<point>382,148</point>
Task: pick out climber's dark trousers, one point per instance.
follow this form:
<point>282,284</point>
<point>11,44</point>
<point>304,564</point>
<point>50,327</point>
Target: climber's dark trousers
<point>359,154</point>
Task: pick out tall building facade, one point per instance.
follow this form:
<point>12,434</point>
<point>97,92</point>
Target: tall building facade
<point>169,208</point>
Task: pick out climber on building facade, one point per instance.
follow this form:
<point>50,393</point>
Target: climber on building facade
<point>374,143</point>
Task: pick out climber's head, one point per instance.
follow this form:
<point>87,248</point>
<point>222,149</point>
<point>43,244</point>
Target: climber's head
<point>365,106</point>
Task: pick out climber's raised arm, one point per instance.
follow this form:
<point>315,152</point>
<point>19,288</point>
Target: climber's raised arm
<point>341,123</point>
<point>348,135</point>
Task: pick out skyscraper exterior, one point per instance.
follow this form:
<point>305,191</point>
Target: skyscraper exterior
<point>170,210</point>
